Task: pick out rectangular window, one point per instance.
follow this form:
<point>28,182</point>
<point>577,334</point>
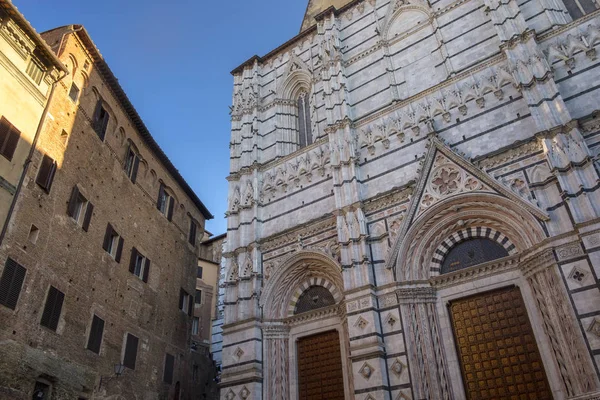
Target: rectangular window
<point>165,203</point>
<point>35,71</point>
<point>198,296</point>
<point>96,332</point>
<point>195,373</point>
<point>200,271</point>
<point>9,138</point>
<point>74,92</point>
<point>132,164</point>
<point>193,230</point>
<point>113,243</point>
<point>80,209</point>
<point>46,173</point>
<point>101,118</point>
<point>195,325</point>
<point>169,366</point>
<point>11,283</point>
<point>130,354</point>
<point>53,308</point>
<point>185,302</point>
<point>139,265</point>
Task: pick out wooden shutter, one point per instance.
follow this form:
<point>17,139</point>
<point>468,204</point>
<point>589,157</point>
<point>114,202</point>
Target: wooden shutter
<point>161,193</point>
<point>146,271</point>
<point>190,305</point>
<point>53,308</point>
<point>71,208</point>
<point>119,250</point>
<point>103,125</point>
<point>46,173</point>
<point>88,216</point>
<point>134,254</point>
<point>131,346</point>
<point>136,166</point>
<point>169,365</point>
<point>107,237</point>
<point>96,332</point>
<point>11,283</point>
<point>9,138</point>
<point>5,128</point>
<point>171,205</point>
<point>181,296</point>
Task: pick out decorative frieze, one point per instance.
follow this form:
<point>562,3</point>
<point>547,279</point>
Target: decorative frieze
<point>569,251</point>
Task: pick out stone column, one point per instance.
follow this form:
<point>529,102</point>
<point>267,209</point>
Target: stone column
<point>276,354</point>
<point>428,366</point>
<point>565,338</point>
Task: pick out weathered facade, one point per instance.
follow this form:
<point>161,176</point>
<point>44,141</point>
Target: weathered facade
<point>414,205</point>
<point>98,265</point>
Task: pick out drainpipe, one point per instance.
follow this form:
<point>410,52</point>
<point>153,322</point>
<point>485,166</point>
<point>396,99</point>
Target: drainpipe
<point>29,158</point>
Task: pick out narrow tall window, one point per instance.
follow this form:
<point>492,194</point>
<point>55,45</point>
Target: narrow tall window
<point>200,271</point>
<point>132,164</point>
<point>185,302</point>
<point>579,8</point>
<point>198,298</point>
<point>168,372</point>
<point>195,325</point>
<point>35,71</point>
<point>193,230</point>
<point>11,283</point>
<point>74,92</point>
<point>53,308</point>
<point>96,333</point>
<point>101,118</point>
<point>46,173</point>
<point>80,209</point>
<point>304,125</point>
<point>130,353</point>
<point>113,243</point>
<point>165,203</point>
<point>9,138</point>
<point>139,265</point>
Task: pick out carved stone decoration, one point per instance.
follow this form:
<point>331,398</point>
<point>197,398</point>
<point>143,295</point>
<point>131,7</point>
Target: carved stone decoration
<point>361,323</point>
<point>276,345</point>
<point>595,327</point>
<point>230,395</point>
<point>244,393</point>
<point>569,251</point>
<point>397,367</point>
<point>578,276</point>
<point>366,370</point>
<point>390,320</point>
<point>238,353</point>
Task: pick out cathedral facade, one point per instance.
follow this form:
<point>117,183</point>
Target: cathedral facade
<point>414,205</point>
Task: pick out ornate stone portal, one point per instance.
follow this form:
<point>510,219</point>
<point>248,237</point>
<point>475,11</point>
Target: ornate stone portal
<point>441,220</point>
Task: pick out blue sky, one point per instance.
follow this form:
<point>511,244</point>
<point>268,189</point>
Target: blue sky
<point>173,59</point>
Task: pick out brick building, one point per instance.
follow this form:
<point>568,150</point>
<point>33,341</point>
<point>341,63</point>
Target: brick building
<point>98,265</point>
<point>414,205</point>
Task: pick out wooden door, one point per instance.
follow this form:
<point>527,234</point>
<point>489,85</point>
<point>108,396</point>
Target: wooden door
<point>496,347</point>
<point>320,375</point>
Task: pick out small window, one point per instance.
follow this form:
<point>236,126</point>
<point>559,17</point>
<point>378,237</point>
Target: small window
<point>195,325</point>
<point>86,65</point>
<point>130,353</point>
<point>11,283</point>
<point>165,203</point>
<point>96,333</point>
<point>195,373</point>
<point>169,366</point>
<point>193,231</point>
<point>35,71</point>
<point>46,173</point>
<point>64,137</point>
<point>132,164</point>
<point>198,297</point>
<point>304,124</point>
<point>579,8</point>
<point>185,302</point>
<point>42,391</point>
<point>9,138</point>
<point>34,233</point>
<point>113,243</point>
<point>139,265</point>
<point>74,92</point>
<point>53,308</point>
<point>200,271</point>
<point>80,209</point>
<point>101,118</point>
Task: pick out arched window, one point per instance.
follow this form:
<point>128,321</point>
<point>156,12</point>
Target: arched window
<point>472,252</point>
<point>304,125</point>
<point>313,298</point>
<point>579,8</point>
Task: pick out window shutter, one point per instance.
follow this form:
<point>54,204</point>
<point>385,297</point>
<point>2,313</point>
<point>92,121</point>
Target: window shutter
<point>146,271</point>
<point>136,165</point>
<point>8,150</point>
<point>200,270</point>
<point>161,193</point>
<point>46,173</point>
<point>181,295</point>
<point>97,112</point>
<point>131,346</point>
<point>107,237</point>
<point>104,125</point>
<point>171,205</point>
<point>4,131</point>
<point>96,332</point>
<point>11,283</point>
<point>169,365</point>
<point>119,250</point>
<point>88,216</point>
<point>134,254</point>
<point>190,305</point>
<point>72,202</point>
<point>53,308</point>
